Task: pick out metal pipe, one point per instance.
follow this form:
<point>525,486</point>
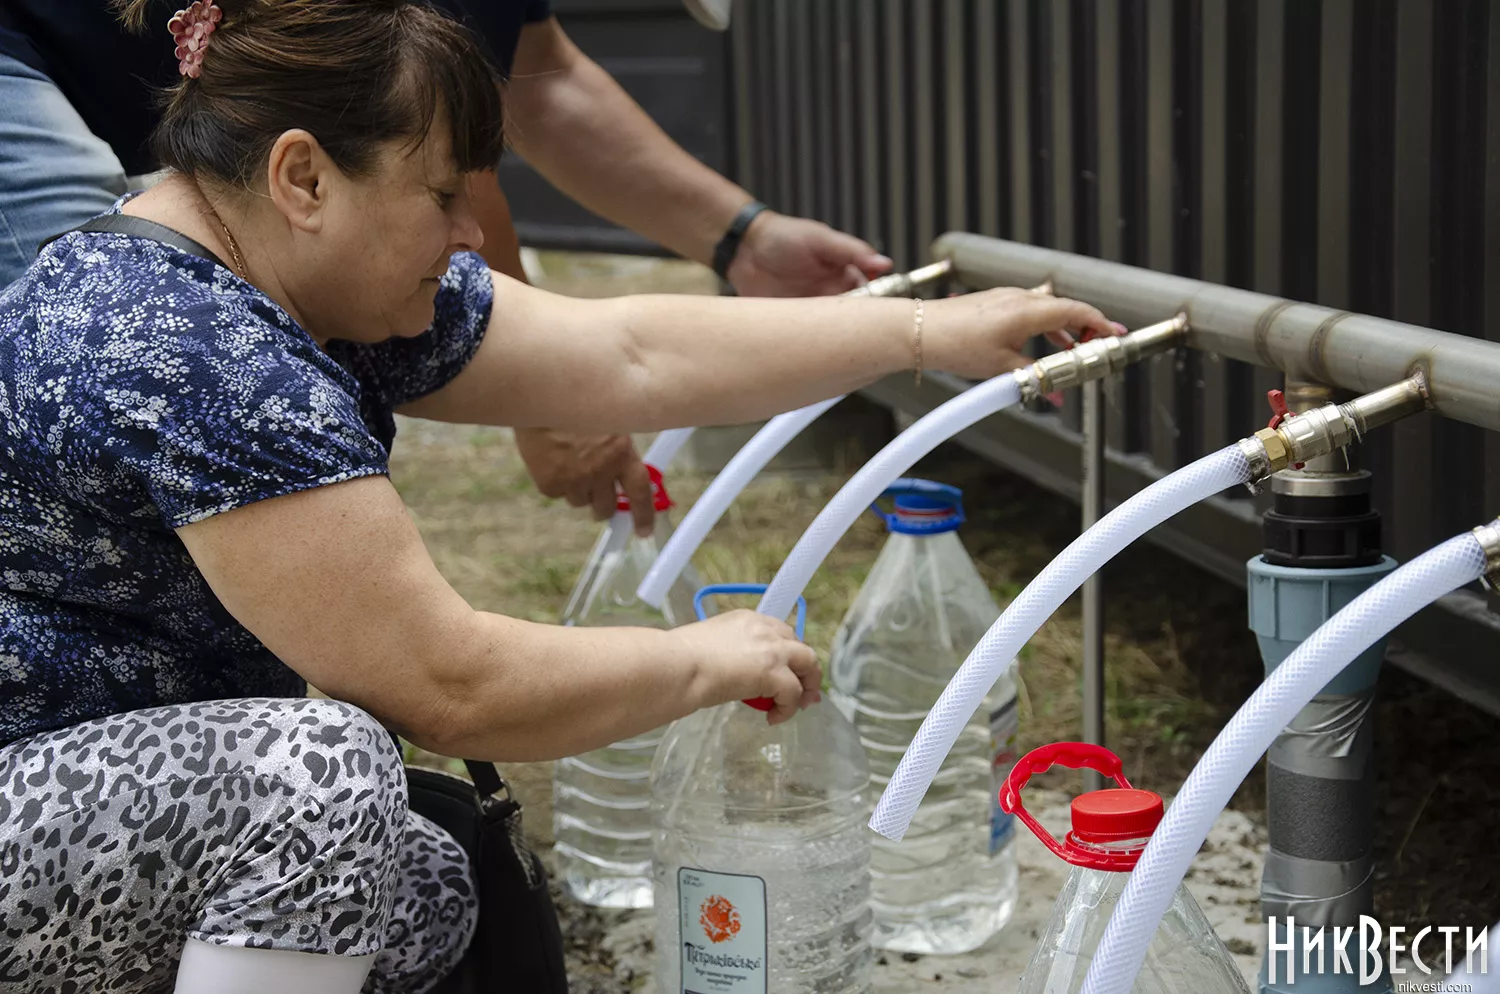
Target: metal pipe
<point>904,284</point>
<point>1305,341</point>
<point>1093,587</point>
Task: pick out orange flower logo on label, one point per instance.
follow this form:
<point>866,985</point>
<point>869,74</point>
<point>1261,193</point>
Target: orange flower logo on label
<point>720,920</point>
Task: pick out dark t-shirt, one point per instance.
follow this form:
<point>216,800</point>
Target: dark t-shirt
<point>142,388</point>
<point>112,75</point>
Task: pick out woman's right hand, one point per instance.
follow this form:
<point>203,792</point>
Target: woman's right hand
<point>981,334</point>
<point>746,655</point>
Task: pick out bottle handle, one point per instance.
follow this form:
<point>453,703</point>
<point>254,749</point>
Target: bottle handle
<point>716,589</point>
<point>1075,756</point>
<point>923,488</point>
<point>660,500</point>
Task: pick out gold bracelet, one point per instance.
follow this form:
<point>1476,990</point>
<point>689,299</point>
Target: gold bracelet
<point>916,347</point>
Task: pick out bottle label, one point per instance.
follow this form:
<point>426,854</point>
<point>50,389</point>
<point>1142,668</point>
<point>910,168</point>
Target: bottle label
<point>1005,726</point>
<point>723,928</point>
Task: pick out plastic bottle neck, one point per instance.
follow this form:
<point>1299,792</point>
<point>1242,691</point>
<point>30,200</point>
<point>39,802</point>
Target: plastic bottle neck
<point>1115,849</point>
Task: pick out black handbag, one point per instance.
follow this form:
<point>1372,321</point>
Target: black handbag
<point>518,944</point>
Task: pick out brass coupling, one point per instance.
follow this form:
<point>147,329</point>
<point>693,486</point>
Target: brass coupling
<point>1097,358</point>
<point>1488,536</point>
<point>1293,439</point>
<point>904,284</point>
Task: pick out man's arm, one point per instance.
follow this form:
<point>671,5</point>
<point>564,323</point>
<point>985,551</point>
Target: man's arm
<point>568,118</point>
<point>581,469</point>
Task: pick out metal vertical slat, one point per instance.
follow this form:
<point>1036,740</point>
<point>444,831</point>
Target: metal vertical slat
<point>1018,36</point>
<point>956,102</point>
<point>987,134</point>
<point>1337,66</point>
<point>745,154</point>
<point>896,122</point>
<point>825,166</point>
<point>763,103</point>
<point>1407,491</point>
<point>1371,147</point>
<point>1241,57</point>
<point>1270,97</point>
<point>1492,249</point>
<point>846,177</point>
<point>925,106</point>
<point>1084,53</point>
<point>872,223</point>
<point>1458,241</point>
<point>1108,216</point>
<point>1163,401</point>
<point>1212,207</point>
<point>804,104</point>
<point>1060,70</point>
<point>785,122</point>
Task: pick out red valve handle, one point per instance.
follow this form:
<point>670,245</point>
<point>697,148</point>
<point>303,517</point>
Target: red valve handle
<point>1075,756</point>
<point>1279,412</point>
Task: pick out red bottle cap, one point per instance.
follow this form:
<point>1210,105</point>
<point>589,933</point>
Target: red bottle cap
<point>659,498</point>
<point>1103,816</point>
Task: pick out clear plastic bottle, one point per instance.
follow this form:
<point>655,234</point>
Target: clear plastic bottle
<point>761,854</point>
<point>950,884</point>
<point>601,800</point>
<point>1110,829</point>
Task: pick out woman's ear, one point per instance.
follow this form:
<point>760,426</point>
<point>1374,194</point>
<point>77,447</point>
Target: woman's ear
<point>298,178</point>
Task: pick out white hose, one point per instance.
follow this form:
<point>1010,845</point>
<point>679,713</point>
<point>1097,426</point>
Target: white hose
<point>662,451</point>
<point>711,505</point>
<point>1044,595</point>
<point>866,486</point>
<point>1250,733</point>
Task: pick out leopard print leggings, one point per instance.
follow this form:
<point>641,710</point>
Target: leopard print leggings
<point>263,823</point>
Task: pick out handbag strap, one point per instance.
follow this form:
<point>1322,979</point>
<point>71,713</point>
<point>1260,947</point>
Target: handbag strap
<point>129,224</point>
<point>486,778</point>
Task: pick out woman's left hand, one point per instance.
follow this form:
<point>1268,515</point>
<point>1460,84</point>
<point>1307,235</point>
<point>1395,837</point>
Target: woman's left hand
<point>981,334</point>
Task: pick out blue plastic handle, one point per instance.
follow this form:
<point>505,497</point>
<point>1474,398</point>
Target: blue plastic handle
<point>715,589</point>
<point>923,488</point>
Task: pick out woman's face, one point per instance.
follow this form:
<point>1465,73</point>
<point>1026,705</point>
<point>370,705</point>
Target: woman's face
<point>384,243</point>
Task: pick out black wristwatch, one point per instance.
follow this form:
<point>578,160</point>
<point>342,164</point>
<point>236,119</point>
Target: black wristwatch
<point>725,251</point>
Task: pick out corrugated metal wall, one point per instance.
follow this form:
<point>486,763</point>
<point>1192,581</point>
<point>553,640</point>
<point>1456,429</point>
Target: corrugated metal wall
<point>1340,151</point>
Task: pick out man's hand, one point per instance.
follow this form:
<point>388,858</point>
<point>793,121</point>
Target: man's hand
<point>583,469</point>
<point>784,256</point>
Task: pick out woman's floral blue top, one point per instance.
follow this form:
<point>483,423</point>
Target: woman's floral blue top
<point>142,388</point>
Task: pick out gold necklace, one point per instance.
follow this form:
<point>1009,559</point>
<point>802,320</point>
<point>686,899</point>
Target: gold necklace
<point>235,255</point>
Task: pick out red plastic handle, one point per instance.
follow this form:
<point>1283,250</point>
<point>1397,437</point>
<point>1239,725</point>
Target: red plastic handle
<point>761,703</point>
<point>1075,756</point>
<point>659,498</point>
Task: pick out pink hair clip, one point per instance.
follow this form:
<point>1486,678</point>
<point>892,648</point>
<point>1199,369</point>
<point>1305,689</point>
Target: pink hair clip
<point>190,29</point>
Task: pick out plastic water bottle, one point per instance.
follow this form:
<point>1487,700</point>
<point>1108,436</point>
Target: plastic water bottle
<point>601,800</point>
<point>1110,829</point>
<point>760,851</point>
<point>951,883</point>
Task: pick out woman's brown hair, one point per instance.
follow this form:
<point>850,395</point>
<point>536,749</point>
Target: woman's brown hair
<point>356,74</point>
